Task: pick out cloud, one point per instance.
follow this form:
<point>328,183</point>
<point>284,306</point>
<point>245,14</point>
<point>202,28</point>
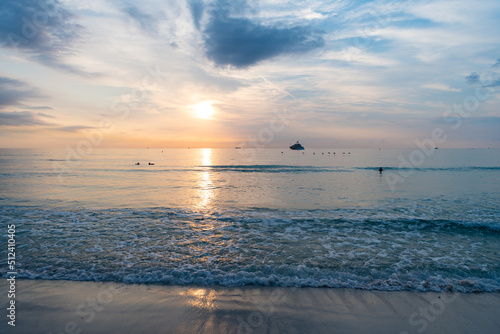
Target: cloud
<point>497,64</point>
<point>22,118</point>
<point>359,56</point>
<point>31,119</point>
<point>491,120</point>
<point>42,29</point>
<point>196,7</point>
<point>472,78</point>
<point>442,87</point>
<point>241,42</point>
<point>15,92</point>
<point>72,128</point>
<point>39,108</point>
<point>495,83</point>
<point>45,115</point>
<point>146,21</point>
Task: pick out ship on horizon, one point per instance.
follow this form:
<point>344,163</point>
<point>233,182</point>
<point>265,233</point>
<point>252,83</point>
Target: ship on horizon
<point>297,146</point>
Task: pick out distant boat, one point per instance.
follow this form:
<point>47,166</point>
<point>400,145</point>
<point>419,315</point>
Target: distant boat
<point>237,148</point>
<point>436,148</point>
<point>297,146</point>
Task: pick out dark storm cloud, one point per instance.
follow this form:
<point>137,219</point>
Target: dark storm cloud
<point>472,78</point>
<point>42,29</point>
<point>22,118</point>
<point>14,92</point>
<point>241,42</point>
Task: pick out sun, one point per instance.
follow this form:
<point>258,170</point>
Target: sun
<point>204,109</point>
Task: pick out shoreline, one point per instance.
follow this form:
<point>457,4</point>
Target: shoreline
<point>46,306</point>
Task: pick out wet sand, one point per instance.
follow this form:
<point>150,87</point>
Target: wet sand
<point>88,307</point>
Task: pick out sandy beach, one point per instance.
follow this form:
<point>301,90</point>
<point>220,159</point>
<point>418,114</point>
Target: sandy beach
<point>88,307</point>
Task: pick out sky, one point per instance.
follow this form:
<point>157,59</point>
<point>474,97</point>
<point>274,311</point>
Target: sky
<point>220,73</point>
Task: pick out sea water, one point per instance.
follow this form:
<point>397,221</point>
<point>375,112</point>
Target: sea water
<point>315,218</point>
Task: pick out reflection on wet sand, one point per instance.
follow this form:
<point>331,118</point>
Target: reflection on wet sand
<point>201,298</point>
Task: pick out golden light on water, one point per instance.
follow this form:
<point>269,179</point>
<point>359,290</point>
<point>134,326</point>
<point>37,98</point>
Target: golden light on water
<point>206,156</point>
<point>206,187</point>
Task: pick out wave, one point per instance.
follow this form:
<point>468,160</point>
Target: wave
<point>293,169</point>
<point>241,169</point>
<point>286,169</point>
<point>272,168</point>
<point>433,169</point>
<point>301,278</point>
<point>364,248</point>
<point>393,216</point>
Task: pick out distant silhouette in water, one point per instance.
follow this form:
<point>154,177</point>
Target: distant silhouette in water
<point>150,163</point>
<point>137,164</point>
<point>297,146</point>
<point>380,169</point>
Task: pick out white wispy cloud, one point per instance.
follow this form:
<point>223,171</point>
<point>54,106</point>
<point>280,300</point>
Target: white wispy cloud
<point>443,87</point>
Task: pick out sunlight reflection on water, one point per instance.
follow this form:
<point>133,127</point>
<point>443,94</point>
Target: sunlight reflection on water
<point>206,187</point>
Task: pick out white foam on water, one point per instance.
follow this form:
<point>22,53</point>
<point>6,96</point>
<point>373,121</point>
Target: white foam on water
<point>365,248</point>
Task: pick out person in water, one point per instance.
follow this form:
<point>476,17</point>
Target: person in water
<point>380,169</point>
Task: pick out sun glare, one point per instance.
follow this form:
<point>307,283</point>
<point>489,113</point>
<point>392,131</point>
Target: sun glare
<point>204,109</point>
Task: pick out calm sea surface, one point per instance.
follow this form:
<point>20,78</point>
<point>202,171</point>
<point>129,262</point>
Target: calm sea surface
<point>315,218</point>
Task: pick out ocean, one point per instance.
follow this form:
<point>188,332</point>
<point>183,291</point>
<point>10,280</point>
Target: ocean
<point>269,217</point>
